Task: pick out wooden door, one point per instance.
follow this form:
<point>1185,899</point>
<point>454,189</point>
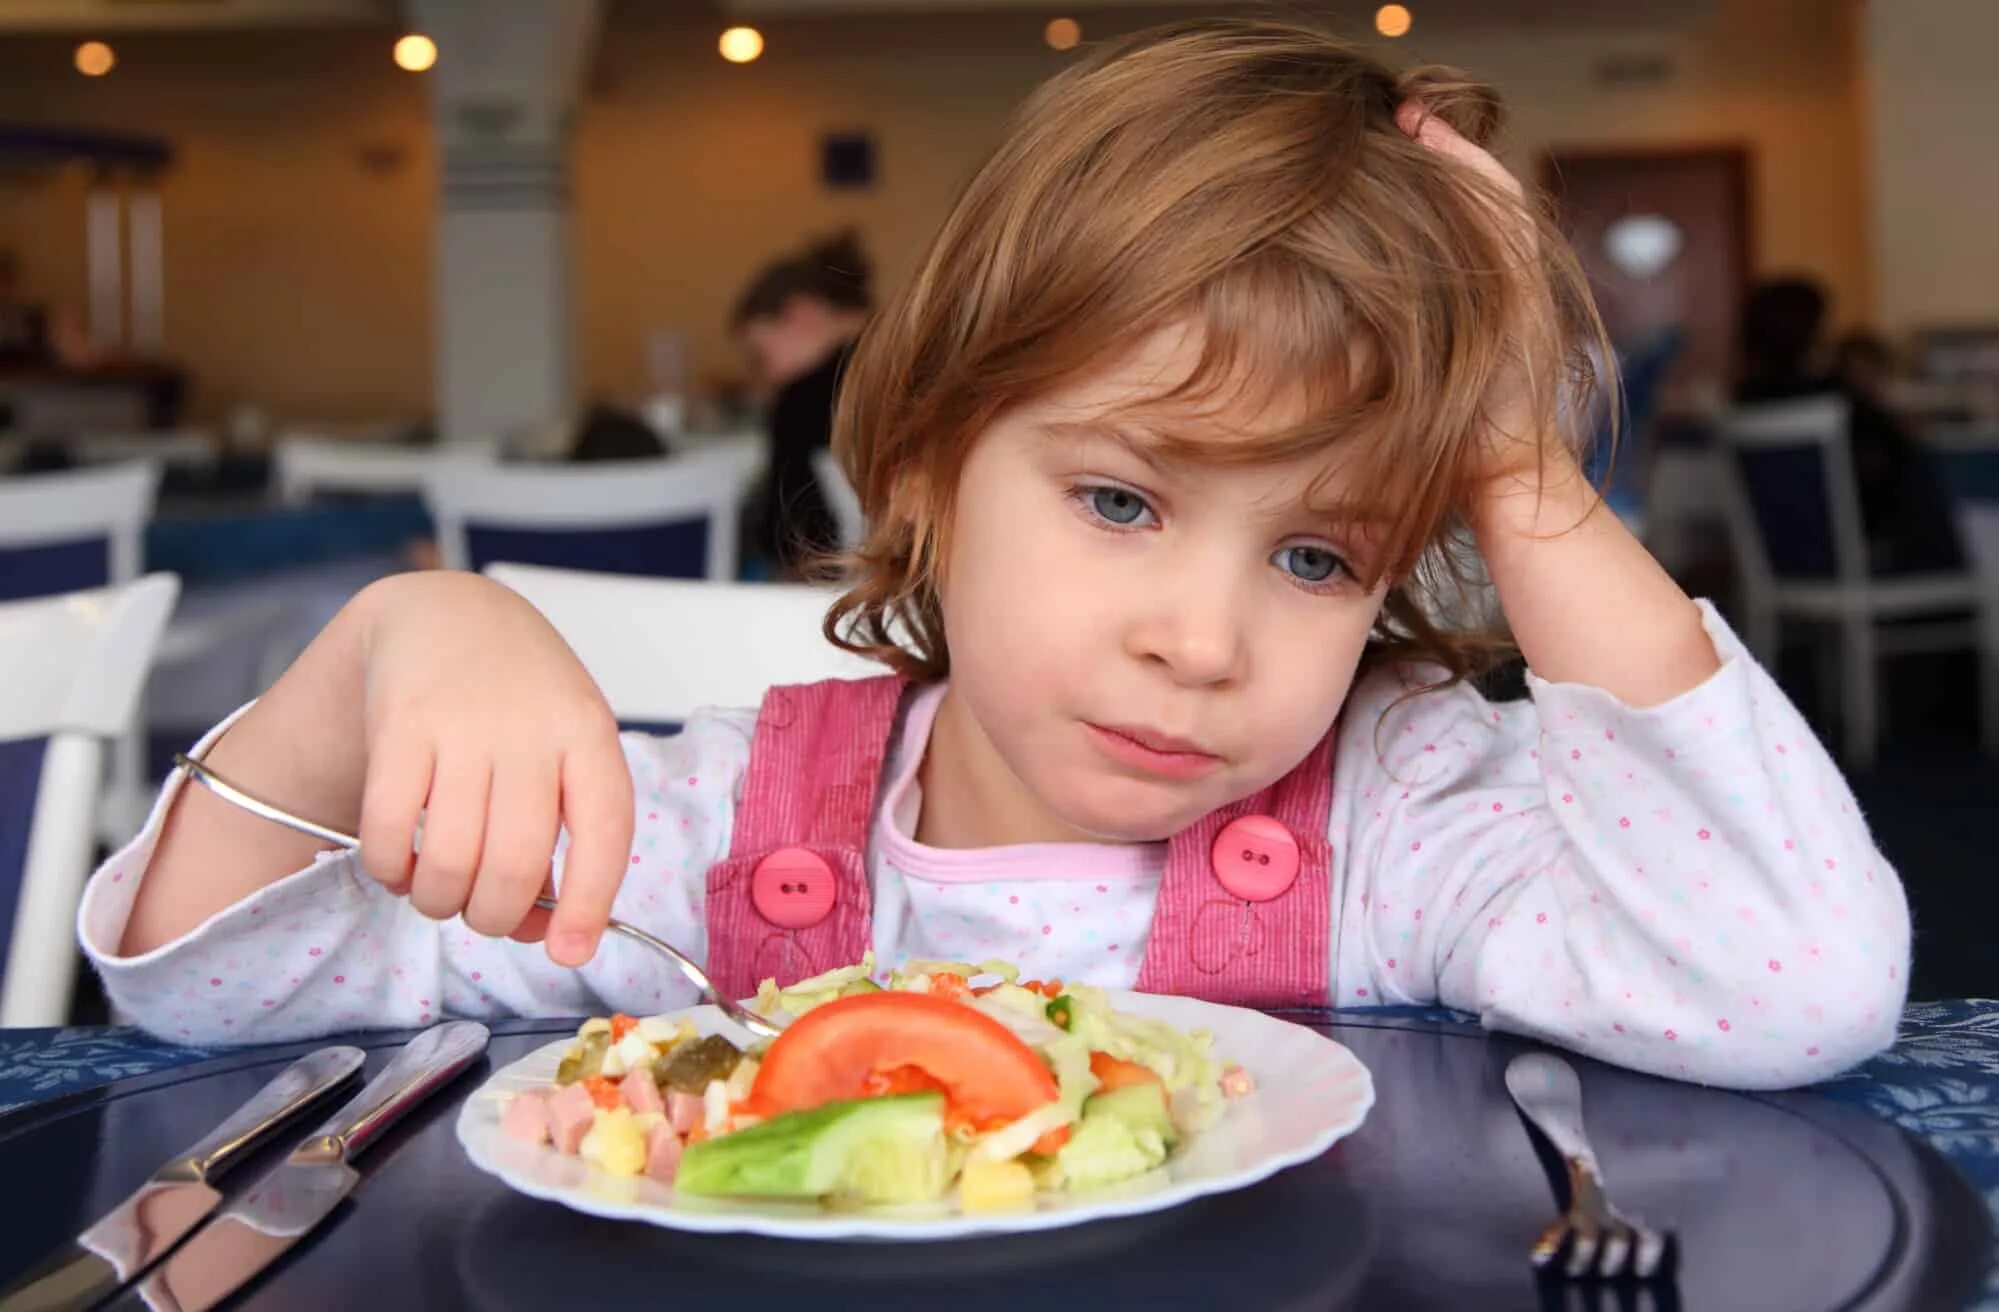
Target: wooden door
<point>1664,238</point>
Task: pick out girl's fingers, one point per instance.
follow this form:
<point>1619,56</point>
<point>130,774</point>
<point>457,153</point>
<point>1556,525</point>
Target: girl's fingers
<point>534,926</point>
<point>454,833</point>
<point>597,805</point>
<point>398,780</point>
<point>519,842</point>
<point>1415,119</point>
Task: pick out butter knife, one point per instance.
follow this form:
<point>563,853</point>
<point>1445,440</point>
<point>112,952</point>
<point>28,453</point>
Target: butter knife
<point>257,1228</point>
<point>134,1234</point>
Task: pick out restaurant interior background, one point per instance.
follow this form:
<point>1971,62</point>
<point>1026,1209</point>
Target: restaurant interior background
<point>240,239</point>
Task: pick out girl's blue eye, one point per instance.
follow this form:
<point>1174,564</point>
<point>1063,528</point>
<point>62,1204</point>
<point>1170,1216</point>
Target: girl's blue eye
<point>1117,506</point>
<point>1308,564</point>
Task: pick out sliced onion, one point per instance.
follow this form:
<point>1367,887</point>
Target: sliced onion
<point>1004,1145</point>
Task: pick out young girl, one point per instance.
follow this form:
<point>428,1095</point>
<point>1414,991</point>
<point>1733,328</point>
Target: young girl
<point>1163,448</point>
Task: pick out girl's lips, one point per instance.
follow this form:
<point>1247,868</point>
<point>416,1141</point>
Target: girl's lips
<point>1155,753</point>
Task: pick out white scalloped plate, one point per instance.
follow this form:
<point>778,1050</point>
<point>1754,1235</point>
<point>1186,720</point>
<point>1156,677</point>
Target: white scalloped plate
<point>1310,1093</point>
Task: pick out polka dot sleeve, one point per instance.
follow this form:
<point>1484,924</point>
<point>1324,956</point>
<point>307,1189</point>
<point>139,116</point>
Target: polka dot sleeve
<point>1687,889</point>
<point>326,949</point>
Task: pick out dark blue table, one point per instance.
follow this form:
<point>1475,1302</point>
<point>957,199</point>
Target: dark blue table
<point>1940,1082</point>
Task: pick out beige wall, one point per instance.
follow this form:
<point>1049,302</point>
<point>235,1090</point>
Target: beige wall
<point>301,278</point>
<point>1934,117</point>
<point>297,252</point>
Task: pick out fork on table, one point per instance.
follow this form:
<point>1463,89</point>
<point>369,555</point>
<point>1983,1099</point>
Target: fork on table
<point>1599,1241</point>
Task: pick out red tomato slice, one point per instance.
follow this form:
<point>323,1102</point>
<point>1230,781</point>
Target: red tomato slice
<point>853,1047</point>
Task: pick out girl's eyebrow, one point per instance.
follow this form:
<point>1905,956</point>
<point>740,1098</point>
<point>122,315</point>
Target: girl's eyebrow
<point>1135,441</point>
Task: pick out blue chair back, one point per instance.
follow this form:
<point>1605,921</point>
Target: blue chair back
<point>673,550</point>
<point>20,781</point>
<point>44,569</point>
<point>1791,502</point>
<point>73,530</point>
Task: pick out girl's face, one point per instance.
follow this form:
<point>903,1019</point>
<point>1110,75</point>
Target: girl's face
<point>1137,641</point>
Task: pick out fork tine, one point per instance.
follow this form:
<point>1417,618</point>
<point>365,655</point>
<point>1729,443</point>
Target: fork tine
<point>1582,1254</point>
<point>1650,1253</point>
<point>1618,1244</point>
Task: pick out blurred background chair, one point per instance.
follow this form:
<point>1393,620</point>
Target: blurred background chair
<point>1795,529</point>
<point>180,448</point>
<point>676,517</point>
<point>1622,469</point>
<point>77,529</point>
<point>73,530</point>
<point>304,467</point>
<point>75,664</point>
<point>660,649</point>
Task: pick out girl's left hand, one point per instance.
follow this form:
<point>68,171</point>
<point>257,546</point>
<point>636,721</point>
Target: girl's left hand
<point>1518,457</point>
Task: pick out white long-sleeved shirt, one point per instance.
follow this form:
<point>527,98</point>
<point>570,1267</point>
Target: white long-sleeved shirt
<point>1687,889</point>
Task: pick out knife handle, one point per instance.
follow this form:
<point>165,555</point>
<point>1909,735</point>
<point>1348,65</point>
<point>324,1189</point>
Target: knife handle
<point>289,1092</point>
<point>430,1059</point>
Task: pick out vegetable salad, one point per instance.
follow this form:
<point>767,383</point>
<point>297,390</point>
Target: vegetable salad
<point>946,1076</point>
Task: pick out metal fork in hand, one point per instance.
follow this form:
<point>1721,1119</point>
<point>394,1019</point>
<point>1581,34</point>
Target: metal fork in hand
<point>696,976</point>
<point>1600,1240</point>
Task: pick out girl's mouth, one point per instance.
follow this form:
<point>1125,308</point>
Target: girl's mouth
<point>1155,753</point>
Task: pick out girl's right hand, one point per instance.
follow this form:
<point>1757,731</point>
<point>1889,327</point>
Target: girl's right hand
<point>480,722</point>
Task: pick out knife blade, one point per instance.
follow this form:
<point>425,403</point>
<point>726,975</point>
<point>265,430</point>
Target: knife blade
<point>257,1228</point>
<point>134,1234</point>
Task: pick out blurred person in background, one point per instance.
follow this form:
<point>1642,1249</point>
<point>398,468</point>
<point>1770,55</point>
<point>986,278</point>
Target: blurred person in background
<point>1904,509</point>
<point>797,322</point>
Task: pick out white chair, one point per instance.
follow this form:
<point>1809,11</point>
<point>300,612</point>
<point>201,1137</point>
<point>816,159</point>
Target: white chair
<point>77,529</point>
<point>303,467</point>
<point>841,498</point>
<point>1801,553</point>
<point>63,532</point>
<point>75,664</point>
<point>672,517</point>
<point>182,448</point>
<point>660,649</point>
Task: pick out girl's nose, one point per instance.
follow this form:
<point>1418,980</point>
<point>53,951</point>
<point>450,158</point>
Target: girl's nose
<point>1193,630</point>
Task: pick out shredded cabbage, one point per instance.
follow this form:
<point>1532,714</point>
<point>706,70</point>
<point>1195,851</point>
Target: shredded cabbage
<point>809,993</point>
<point>1181,1058</point>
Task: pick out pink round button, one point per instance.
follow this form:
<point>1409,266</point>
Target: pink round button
<point>792,888</point>
<point>1255,857</point>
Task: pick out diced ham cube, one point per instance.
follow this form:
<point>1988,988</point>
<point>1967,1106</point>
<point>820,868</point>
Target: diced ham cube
<point>570,1116</point>
<point>641,1094</point>
<point>662,1154</point>
<point>526,1117</point>
<point>685,1110</point>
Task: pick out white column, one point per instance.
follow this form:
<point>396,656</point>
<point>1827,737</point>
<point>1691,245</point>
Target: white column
<point>503,90</point>
<point>104,246</point>
<point>142,219</point>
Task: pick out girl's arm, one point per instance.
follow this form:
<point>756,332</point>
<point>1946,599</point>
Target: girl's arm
<point>326,948</point>
<point>1586,602</point>
<point>440,696</point>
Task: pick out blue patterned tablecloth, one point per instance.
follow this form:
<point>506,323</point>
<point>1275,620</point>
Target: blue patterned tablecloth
<point>1940,1081</point>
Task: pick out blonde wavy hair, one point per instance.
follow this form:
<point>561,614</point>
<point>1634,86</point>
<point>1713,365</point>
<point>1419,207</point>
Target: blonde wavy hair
<point>1250,176</point>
